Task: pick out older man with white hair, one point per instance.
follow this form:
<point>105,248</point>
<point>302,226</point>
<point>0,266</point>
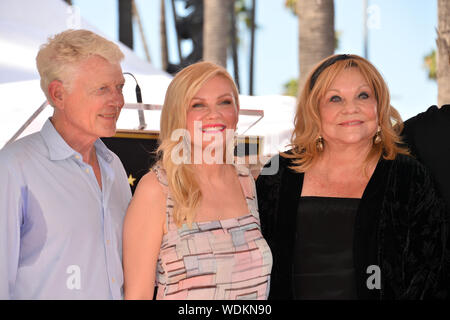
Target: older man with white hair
<point>63,194</point>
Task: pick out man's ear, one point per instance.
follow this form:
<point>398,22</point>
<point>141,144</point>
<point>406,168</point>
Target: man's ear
<point>56,93</point>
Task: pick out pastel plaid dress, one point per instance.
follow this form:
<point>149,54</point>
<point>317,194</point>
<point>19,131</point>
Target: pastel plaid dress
<point>222,260</point>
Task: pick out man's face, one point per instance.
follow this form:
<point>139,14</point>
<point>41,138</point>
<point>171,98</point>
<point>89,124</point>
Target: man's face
<point>93,100</point>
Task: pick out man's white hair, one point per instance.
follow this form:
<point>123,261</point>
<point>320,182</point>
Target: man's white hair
<point>62,52</point>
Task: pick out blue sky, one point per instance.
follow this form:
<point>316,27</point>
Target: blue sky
<point>401,33</point>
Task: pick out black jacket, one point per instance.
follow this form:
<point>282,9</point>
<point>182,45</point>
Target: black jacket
<point>428,137</point>
<point>400,227</point>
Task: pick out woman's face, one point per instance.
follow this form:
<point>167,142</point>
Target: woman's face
<point>348,110</point>
<point>212,114</point>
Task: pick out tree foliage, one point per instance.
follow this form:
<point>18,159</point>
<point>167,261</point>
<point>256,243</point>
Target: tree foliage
<point>244,13</point>
<point>429,63</point>
<point>290,88</point>
<point>291,5</point>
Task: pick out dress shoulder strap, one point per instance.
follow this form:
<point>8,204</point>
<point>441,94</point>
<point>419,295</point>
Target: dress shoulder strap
<point>246,180</point>
<point>161,175</point>
<point>248,187</point>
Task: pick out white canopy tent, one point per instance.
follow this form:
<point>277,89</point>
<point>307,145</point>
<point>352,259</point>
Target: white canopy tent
<point>26,24</point>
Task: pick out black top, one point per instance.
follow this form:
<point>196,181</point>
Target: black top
<point>323,258</point>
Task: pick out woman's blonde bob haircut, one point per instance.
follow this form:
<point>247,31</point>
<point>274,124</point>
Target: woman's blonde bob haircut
<point>307,123</point>
<point>58,57</point>
<point>182,183</point>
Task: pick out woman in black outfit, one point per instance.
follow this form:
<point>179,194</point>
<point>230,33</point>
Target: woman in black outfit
<point>349,214</point>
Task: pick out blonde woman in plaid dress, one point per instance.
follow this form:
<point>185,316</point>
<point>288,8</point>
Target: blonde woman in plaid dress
<point>192,228</point>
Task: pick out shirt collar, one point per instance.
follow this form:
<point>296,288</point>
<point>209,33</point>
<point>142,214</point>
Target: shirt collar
<point>103,151</point>
<point>60,150</point>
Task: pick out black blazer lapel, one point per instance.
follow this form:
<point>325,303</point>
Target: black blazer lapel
<point>366,242</point>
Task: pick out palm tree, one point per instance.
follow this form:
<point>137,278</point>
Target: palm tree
<point>163,36</point>
<point>429,63</point>
<point>443,52</point>
<point>216,30</point>
<point>252,46</point>
<point>316,34</point>
<point>234,46</point>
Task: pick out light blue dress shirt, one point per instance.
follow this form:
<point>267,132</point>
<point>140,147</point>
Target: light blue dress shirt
<point>60,234</point>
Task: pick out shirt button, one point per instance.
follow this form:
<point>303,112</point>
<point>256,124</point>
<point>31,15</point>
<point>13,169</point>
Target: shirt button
<point>77,157</point>
<point>87,170</point>
<point>108,242</point>
<point>113,280</point>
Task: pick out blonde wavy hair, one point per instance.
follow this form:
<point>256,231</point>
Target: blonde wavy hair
<point>183,185</point>
<point>57,58</point>
<point>307,124</point>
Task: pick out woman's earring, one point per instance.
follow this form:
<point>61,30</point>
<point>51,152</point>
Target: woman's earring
<point>319,143</point>
<point>377,138</point>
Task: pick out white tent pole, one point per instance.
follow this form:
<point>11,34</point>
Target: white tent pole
<point>27,123</point>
